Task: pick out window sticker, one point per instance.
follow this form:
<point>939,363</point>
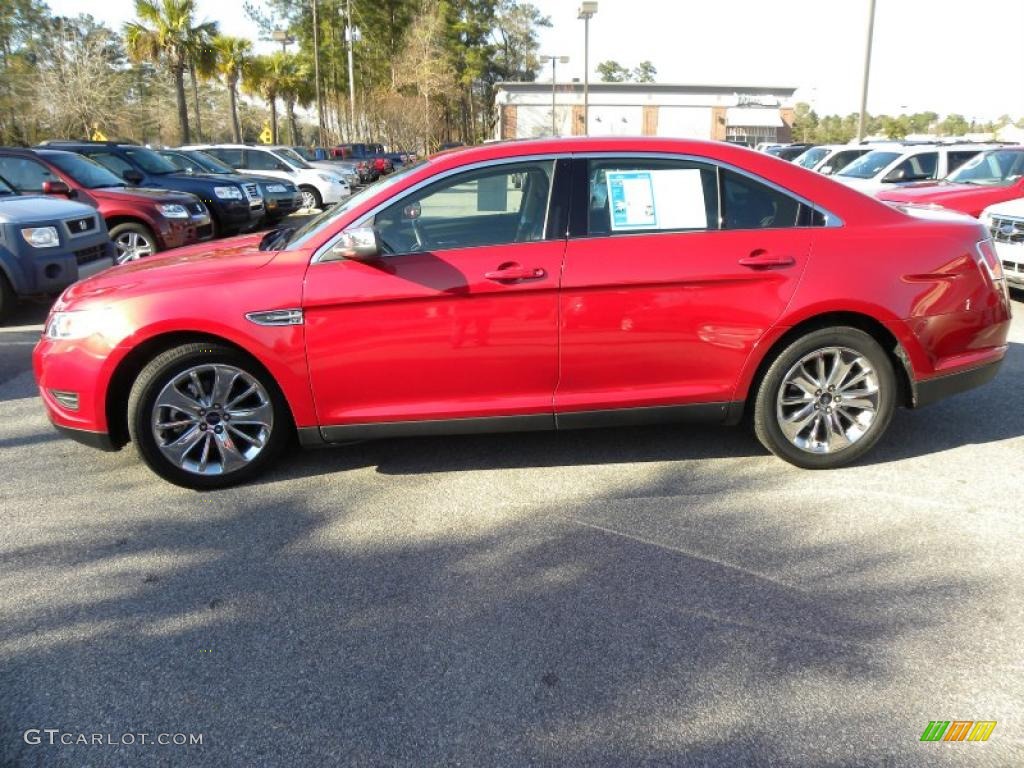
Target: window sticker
<point>660,199</point>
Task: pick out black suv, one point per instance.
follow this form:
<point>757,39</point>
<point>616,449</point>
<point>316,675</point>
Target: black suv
<point>234,203</point>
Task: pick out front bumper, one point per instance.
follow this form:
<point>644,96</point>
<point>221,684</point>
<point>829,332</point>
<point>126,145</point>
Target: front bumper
<point>236,215</point>
<point>99,440</point>
<point>49,271</point>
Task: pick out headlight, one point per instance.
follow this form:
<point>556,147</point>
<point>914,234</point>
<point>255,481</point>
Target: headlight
<point>41,237</point>
<point>76,324</point>
<point>228,193</point>
<point>330,179</point>
<point>173,211</point>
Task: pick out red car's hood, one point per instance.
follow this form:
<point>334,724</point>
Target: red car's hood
<point>963,197</point>
<point>200,265</point>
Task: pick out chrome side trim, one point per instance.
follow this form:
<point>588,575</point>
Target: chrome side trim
<point>274,317</point>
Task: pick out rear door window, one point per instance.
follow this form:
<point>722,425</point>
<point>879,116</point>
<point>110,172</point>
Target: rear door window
<point>262,161</point>
<point>749,204</point>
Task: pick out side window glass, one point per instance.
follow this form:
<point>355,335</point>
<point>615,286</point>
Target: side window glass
<point>636,196</point>
<point>749,204</point>
<point>262,161</point>
<point>842,159</point>
<point>232,157</point>
<point>956,159</point>
<point>489,206</point>
<point>916,168</point>
<point>24,174</point>
<point>111,161</point>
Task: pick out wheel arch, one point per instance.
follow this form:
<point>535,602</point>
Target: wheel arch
<point>872,326</point>
<point>129,367</point>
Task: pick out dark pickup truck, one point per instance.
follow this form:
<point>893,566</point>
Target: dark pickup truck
<point>47,244</point>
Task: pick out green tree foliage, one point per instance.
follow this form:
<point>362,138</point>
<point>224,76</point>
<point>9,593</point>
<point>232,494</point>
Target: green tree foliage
<point>645,72</point>
<point>231,56</point>
<point>611,71</point>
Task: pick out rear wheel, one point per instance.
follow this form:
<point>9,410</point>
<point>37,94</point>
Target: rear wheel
<point>310,197</point>
<point>826,399</point>
<point>207,416</point>
<point>133,241</point>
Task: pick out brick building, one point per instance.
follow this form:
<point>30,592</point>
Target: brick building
<point>744,114</point>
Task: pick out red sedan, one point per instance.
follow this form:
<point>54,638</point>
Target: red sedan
<point>553,284</point>
<point>988,178</point>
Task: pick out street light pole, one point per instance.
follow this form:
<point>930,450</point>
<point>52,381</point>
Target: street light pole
<point>587,10</point>
<point>867,72</point>
<point>554,79</point>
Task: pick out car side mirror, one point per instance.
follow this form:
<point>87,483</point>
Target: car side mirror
<point>357,244</point>
<point>56,188</point>
<point>132,176</point>
<point>412,211</point>
<point>896,175</point>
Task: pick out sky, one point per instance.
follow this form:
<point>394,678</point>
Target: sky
<point>941,56</point>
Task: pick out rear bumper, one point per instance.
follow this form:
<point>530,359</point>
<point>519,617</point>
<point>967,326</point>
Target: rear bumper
<point>940,387</point>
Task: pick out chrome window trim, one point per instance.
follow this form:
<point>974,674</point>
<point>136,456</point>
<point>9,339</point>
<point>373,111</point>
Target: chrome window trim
<point>362,221</point>
<point>831,219</point>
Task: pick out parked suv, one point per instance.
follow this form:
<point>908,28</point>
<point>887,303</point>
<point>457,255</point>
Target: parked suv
<point>995,176</point>
<point>141,221</point>
<point>229,207</point>
<point>1006,223</point>
<point>47,244</point>
<point>280,198</point>
<point>893,165</point>
<point>318,187</point>
<point>493,288</point>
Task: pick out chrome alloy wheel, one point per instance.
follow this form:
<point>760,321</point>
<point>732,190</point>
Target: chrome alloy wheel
<point>132,246</point>
<point>308,200</point>
<point>828,400</point>
<point>212,419</point>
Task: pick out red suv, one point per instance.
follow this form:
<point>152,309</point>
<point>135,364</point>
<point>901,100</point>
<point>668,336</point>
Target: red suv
<point>141,221</point>
<point>551,284</point>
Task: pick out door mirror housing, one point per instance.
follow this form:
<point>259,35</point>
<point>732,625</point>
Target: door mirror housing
<point>132,176</point>
<point>899,174</point>
<point>357,244</point>
<point>56,188</point>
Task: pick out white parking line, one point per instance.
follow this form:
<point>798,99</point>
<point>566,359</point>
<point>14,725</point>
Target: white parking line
<point>21,328</point>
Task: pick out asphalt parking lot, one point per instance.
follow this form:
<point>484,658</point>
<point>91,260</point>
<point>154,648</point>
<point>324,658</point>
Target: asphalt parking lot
<point>655,596</point>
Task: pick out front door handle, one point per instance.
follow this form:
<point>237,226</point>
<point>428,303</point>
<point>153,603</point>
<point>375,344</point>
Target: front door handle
<point>513,271</point>
<point>761,259</point>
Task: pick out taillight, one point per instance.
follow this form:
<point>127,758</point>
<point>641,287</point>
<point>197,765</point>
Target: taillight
<point>989,259</point>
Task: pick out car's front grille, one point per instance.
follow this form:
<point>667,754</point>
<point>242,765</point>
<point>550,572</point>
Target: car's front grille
<point>1013,266</point>
<point>252,191</point>
<point>81,226</point>
<point>204,231</point>
<point>1006,229</point>
<point>91,254</point>
<point>196,209</point>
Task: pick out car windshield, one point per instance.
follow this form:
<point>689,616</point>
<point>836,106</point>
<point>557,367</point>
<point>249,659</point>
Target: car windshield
<point>997,168</point>
<point>84,171</point>
<point>5,188</point>
<point>812,157</point>
<point>150,161</point>
<point>867,166</point>
<point>293,158</point>
<point>299,237</point>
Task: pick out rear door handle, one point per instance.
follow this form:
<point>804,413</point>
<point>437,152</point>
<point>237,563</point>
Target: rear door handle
<point>761,259</point>
<point>508,272</point>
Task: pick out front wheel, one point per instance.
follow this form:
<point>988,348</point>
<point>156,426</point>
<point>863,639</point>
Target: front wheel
<point>310,198</point>
<point>206,416</point>
<point>826,399</point>
<point>133,241</point>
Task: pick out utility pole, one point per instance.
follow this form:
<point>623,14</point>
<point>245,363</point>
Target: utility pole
<point>554,79</point>
<point>316,75</point>
<point>350,34</point>
<point>867,72</point>
<point>587,11</point>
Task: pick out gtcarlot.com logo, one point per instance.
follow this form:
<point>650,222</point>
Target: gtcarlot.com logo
<point>56,737</point>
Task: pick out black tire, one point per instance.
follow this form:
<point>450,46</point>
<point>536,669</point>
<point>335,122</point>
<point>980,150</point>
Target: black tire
<point>7,298</point>
<point>141,231</point>
<point>318,202</point>
<point>160,372</point>
<point>766,417</point>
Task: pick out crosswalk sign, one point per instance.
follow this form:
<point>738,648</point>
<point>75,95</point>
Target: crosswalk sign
<point>97,134</point>
<point>265,135</point>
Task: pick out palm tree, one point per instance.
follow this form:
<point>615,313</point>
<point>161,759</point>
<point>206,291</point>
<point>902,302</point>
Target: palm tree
<point>266,77</point>
<point>231,56</point>
<point>296,88</point>
<point>165,33</point>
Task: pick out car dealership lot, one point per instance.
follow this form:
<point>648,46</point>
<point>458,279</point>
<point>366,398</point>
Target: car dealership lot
<point>664,595</point>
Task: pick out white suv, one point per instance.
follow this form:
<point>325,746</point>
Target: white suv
<point>905,164</point>
<point>1006,223</point>
<point>319,187</point>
